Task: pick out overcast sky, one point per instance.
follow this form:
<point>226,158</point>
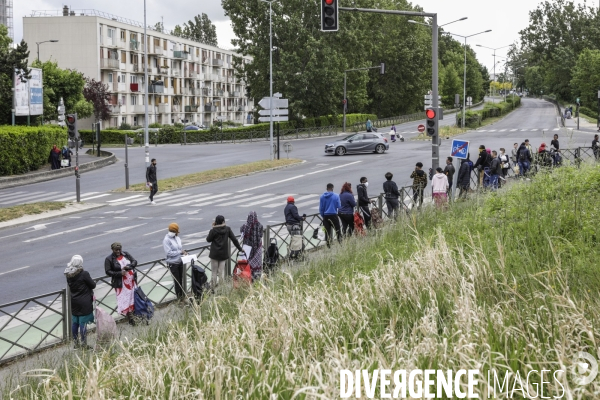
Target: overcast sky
<point>505,18</point>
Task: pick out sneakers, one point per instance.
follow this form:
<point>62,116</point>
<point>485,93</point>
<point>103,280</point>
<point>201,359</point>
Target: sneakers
<point>153,202</point>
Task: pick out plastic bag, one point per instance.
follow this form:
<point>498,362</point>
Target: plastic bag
<point>106,327</point>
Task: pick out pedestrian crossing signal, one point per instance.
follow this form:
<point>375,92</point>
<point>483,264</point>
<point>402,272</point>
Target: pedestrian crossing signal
<point>432,121</point>
<point>329,15</point>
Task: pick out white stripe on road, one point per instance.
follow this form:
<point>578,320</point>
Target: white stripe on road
<point>296,177</point>
<point>202,203</point>
<point>492,130</point>
<point>556,129</point>
<point>13,270</point>
<point>502,130</point>
<point>125,199</point>
<point>199,200</point>
<point>37,197</point>
<point>305,203</point>
<point>285,202</point>
<point>95,197</point>
<point>229,203</point>
<point>523,130</point>
<point>152,233</point>
<point>482,130</point>
<point>20,198</point>
<point>9,194</point>
<point>74,197</point>
<point>533,130</point>
<point>512,130</point>
<point>167,200</point>
<point>118,230</point>
<point>63,232</point>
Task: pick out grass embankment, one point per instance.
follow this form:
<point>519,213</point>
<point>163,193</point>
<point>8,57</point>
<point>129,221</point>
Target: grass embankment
<point>6,214</point>
<point>506,282</point>
<point>212,175</point>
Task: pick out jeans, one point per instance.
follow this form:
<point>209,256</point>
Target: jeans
<point>218,270</point>
<point>77,329</point>
<point>392,206</point>
<point>464,190</point>
<point>177,272</point>
<point>153,190</point>
<point>366,215</point>
<point>494,182</point>
<point>331,222</point>
<point>347,224</point>
<point>523,168</point>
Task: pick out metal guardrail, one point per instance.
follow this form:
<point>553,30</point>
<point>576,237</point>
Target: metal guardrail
<point>379,123</point>
<point>207,137</point>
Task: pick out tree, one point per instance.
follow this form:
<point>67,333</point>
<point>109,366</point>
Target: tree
<point>98,94</point>
<point>10,59</point>
<point>159,27</point>
<point>65,83</point>
<point>200,29</point>
<point>534,80</point>
<point>586,77</point>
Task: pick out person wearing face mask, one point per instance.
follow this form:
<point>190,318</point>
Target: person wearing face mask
<point>363,201</point>
<point>173,253</point>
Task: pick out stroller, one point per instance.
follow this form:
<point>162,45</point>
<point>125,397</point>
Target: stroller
<point>296,242</point>
<point>242,274</point>
<point>199,280</point>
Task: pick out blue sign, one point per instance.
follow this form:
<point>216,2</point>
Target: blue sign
<point>37,96</point>
<point>460,148</point>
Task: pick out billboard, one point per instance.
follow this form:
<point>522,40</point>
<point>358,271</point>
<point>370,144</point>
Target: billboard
<point>29,95</point>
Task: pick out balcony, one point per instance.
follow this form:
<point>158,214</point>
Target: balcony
<point>204,92</point>
<point>185,91</point>
<point>141,109</point>
<point>204,60</point>
<point>114,109</point>
<point>175,72</point>
<point>210,109</point>
<point>180,54</point>
<point>225,94</point>
<point>191,109</point>
<point>109,63</point>
<point>158,89</point>
<point>134,87</point>
<point>235,94</point>
<point>164,108</point>
<point>218,93</point>
<point>217,62</point>
<point>216,78</point>
<point>156,50</point>
<point>230,108</point>
<point>176,108</point>
<point>134,45</point>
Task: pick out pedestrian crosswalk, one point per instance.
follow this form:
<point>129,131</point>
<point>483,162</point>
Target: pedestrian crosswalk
<point>519,130</point>
<point>10,197</point>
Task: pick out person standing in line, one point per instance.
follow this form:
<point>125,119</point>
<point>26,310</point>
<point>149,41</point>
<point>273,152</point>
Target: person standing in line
<point>524,159</point>
<point>554,143</point>
<point>419,183</point>
<point>329,205</point>
<point>363,201</point>
<point>173,253</point>
<point>346,212</point>
<point>514,154</point>
<point>120,266</point>
<point>151,180</point>
<point>218,238</point>
<point>252,234</point>
<point>440,186</point>
<point>495,170</point>
<point>596,147</point>
<point>449,171</point>
<point>464,178</point>
<point>292,217</point>
<point>81,287</point>
<point>54,157</point>
<point>391,195</point>
<point>482,162</point>
<point>504,166</point>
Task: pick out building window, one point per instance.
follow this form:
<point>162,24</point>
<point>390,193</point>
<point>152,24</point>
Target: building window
<point>122,35</point>
<point>123,100</point>
<point>133,37</point>
<point>110,77</point>
<point>124,57</point>
<point>134,99</point>
<point>123,120</point>
<point>111,33</point>
<point>133,78</point>
<point>135,121</point>
<point>123,78</point>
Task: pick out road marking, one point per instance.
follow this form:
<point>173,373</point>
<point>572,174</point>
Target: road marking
<point>533,130</point>
<point>152,233</point>
<point>9,194</point>
<point>284,202</point>
<point>13,270</point>
<point>556,129</point>
<point>502,130</point>
<point>296,177</point>
<point>482,130</point>
<point>512,130</point>
<point>63,232</point>
<point>74,197</point>
<point>118,230</point>
<point>229,203</point>
<point>29,198</point>
<point>166,201</point>
<point>305,203</point>
<point>195,201</point>
<point>95,197</point>
<point>492,130</point>
<point>125,198</point>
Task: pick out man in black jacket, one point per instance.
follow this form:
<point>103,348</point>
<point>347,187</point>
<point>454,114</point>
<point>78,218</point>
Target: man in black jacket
<point>291,215</point>
<point>151,180</point>
<point>363,201</point>
<point>482,162</point>
<point>449,171</point>
<point>464,178</point>
<point>391,193</point>
<point>495,170</point>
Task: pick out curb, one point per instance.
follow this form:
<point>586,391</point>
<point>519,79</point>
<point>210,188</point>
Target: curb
<point>71,208</point>
<point>13,181</point>
<point>216,180</point>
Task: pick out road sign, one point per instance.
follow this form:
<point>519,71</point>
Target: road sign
<point>460,148</point>
<point>421,128</point>
<point>275,113</point>
<point>275,119</point>
<point>469,99</point>
<point>277,103</point>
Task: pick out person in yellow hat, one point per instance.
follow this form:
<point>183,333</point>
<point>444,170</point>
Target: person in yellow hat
<point>173,253</point>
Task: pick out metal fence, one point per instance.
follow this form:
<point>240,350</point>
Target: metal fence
<point>380,123</point>
<point>204,137</point>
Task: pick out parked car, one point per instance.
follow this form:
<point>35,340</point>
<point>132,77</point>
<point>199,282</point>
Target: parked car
<point>359,143</point>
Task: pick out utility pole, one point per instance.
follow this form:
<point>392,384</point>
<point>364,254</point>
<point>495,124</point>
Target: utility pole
<point>146,139</point>
<point>270,73</point>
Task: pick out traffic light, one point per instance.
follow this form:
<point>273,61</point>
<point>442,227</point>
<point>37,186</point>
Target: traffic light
<point>329,15</point>
<point>61,113</point>
<point>432,121</point>
<point>72,127</point>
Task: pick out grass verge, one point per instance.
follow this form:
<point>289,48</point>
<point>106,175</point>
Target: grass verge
<point>6,214</point>
<point>212,175</point>
<point>505,283</point>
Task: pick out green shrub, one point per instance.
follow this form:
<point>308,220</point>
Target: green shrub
<point>474,119</point>
<point>26,149</point>
<point>108,136</point>
<point>588,112</point>
<point>125,127</point>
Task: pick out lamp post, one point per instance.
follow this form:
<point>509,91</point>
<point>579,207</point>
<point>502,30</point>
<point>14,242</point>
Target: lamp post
<point>270,73</point>
<point>146,138</point>
<point>465,73</point>
<point>45,41</point>
<point>497,48</point>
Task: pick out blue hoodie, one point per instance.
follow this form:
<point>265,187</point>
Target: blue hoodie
<point>329,204</point>
<point>348,203</point>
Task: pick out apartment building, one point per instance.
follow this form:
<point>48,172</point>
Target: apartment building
<point>6,16</point>
<point>188,82</point>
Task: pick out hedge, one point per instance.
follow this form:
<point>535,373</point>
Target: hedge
<point>27,148</point>
<point>473,119</point>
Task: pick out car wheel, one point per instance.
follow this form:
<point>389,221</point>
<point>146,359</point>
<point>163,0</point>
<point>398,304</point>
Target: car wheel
<point>380,149</point>
<point>340,151</point>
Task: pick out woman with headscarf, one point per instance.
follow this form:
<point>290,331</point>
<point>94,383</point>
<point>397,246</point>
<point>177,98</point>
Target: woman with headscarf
<point>81,287</point>
<point>252,234</point>
<point>219,253</point>
<point>120,266</point>
<point>54,157</point>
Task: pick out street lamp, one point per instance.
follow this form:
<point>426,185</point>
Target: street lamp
<point>465,72</point>
<point>412,21</point>
<point>38,46</point>
<point>270,73</point>
<point>497,48</point>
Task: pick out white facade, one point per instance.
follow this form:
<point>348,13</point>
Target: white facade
<point>6,16</point>
<point>198,81</point>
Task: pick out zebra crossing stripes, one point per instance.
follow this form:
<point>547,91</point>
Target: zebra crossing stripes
<point>199,198</point>
<point>245,198</point>
<point>21,197</point>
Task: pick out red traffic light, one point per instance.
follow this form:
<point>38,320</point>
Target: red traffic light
<point>329,2</point>
<point>70,119</point>
<point>430,113</point>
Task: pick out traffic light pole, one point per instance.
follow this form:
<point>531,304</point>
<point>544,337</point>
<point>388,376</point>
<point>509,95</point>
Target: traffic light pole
<point>77,183</point>
<point>435,145</point>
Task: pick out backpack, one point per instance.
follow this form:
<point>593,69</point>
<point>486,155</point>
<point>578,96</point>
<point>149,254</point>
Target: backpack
<point>272,256</point>
<point>143,307</point>
<point>199,280</point>
<point>65,153</point>
<point>471,165</point>
<point>523,155</point>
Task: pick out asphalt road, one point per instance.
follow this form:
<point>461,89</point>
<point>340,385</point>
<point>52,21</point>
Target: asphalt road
<point>34,255</point>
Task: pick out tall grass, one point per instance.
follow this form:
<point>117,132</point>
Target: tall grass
<point>507,282</point>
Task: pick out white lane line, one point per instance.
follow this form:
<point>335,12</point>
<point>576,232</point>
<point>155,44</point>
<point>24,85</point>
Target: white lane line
<point>523,130</point>
<point>482,130</point>
<point>284,202</point>
<point>556,129</point>
<point>13,270</point>
<point>533,130</point>
<point>32,198</point>
<point>118,230</point>
<point>193,203</point>
<point>74,197</point>
<point>62,233</point>
<point>95,197</point>
<point>2,196</point>
<point>152,233</point>
<point>305,203</point>
<point>206,203</point>
<point>167,200</point>
<point>124,199</point>
<point>296,177</point>
<point>19,198</point>
<point>492,130</point>
<point>502,130</point>
<point>229,203</point>
<point>512,130</point>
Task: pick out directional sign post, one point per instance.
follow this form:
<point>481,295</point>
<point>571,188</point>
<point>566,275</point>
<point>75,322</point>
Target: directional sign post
<point>275,110</point>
